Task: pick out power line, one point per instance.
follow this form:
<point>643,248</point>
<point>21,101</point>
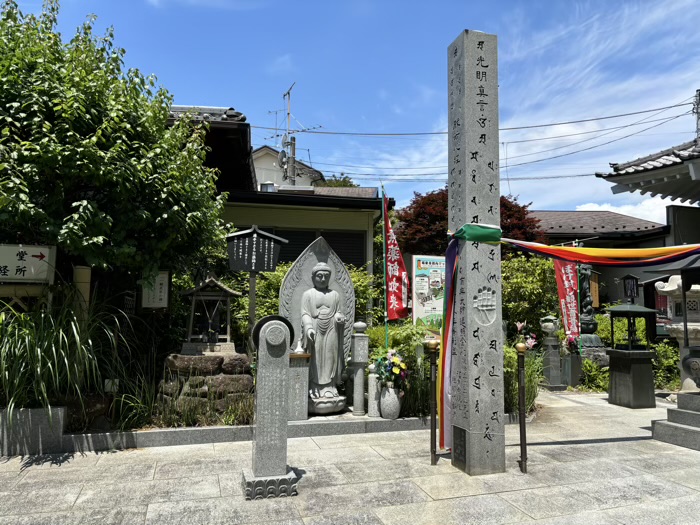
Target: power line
<point>431,133</point>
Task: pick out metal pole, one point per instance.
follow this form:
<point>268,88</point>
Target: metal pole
<point>251,303</point>
<point>432,349</point>
<point>521,348</point>
<point>293,161</point>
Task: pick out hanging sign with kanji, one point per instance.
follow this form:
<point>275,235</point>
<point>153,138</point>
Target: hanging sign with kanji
<point>27,263</point>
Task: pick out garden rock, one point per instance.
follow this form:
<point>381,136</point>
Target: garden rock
<point>236,364</point>
<point>190,364</point>
<point>170,388</point>
<point>223,384</point>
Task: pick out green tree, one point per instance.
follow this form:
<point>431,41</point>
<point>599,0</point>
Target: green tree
<point>423,223</point>
<point>339,181</point>
<point>88,160</point>
<point>529,291</point>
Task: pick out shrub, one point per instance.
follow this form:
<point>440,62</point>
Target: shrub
<point>603,330</point>
<point>594,377</point>
<point>533,376</point>
<point>667,374</point>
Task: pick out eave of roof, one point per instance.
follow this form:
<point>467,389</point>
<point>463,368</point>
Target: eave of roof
<point>672,173</point>
<point>315,201</point>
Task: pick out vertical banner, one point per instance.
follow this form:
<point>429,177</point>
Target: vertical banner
<point>428,292</point>
<point>567,285</point>
<point>395,271</point>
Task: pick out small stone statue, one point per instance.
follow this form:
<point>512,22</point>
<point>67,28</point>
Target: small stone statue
<point>323,326</point>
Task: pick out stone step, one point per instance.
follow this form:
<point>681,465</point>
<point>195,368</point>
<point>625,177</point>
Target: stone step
<point>676,434</point>
<point>684,417</point>
<point>689,402</point>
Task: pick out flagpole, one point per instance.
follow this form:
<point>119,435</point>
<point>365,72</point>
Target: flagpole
<point>386,307</point>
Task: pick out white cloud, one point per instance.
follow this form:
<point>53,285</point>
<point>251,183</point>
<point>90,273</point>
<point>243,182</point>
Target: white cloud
<point>651,209</point>
<point>280,65</point>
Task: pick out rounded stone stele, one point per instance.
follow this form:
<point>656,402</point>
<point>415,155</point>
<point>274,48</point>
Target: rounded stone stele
<point>275,335</point>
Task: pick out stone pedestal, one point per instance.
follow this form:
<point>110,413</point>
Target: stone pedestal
<point>298,395</point>
<point>676,331</point>
<point>374,390</point>
<point>571,370</point>
<point>631,379</point>
<point>552,364</point>
<point>270,476</point>
<point>683,425</point>
<point>360,355</point>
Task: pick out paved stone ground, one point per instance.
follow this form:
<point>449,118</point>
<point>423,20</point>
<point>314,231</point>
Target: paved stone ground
<point>589,463</point>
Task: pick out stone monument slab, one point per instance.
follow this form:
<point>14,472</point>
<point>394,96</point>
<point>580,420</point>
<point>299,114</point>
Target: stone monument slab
<point>478,432</point>
<point>270,475</point>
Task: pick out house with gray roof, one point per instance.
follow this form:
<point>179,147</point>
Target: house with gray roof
<point>259,193</point>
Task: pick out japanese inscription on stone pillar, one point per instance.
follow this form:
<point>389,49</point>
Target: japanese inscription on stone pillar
<point>478,437</point>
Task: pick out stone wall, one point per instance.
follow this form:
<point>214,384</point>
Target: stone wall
<point>204,379</point>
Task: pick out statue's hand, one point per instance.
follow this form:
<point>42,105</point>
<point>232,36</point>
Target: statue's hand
<point>311,334</point>
<point>339,318</point>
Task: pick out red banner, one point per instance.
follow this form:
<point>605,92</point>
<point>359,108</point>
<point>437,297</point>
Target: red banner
<point>567,285</point>
<point>395,271</point>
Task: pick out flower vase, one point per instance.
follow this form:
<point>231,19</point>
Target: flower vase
<point>390,402</point>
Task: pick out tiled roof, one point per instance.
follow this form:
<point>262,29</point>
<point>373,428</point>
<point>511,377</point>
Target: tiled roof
<point>208,113</point>
<point>359,193</point>
<point>591,222</point>
<point>662,159</point>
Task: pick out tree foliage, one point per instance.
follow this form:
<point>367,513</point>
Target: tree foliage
<point>529,291</point>
<point>88,161</point>
<point>423,223</point>
<point>339,181</point>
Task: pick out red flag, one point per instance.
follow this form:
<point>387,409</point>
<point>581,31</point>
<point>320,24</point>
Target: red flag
<point>567,285</point>
<point>395,271</point>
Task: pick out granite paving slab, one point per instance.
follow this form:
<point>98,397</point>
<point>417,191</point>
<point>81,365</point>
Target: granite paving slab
<point>394,469</point>
<point>187,468</point>
<point>674,511</point>
<point>9,479</point>
<point>114,516</point>
<point>308,458</point>
<point>475,510</point>
<point>146,492</point>
<point>359,518</point>
<point>327,500</point>
<point>580,471</point>
<point>398,451</point>
<point>224,511</point>
<point>633,490</point>
<point>311,478</point>
<point>161,454</point>
<point>109,474</point>
<point>663,462</point>
<point>689,477</point>
<point>550,501</point>
<point>43,499</point>
<point>54,461</point>
<point>582,518</point>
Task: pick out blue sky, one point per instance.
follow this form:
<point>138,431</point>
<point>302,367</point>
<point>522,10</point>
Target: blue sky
<point>380,67</point>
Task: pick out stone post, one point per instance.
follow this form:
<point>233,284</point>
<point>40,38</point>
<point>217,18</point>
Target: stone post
<point>552,354</point>
<point>298,397</point>
<point>477,418</point>
<point>360,355</point>
<point>374,392</point>
<point>270,476</point>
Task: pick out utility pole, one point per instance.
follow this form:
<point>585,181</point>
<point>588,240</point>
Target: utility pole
<point>292,140</point>
<point>696,110</point>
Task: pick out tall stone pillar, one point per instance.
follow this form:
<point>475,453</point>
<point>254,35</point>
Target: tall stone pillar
<point>359,352</point>
<point>478,432</point>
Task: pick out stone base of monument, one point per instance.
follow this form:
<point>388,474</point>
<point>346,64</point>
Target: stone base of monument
<point>683,425</point>
<point>208,348</point>
<point>269,486</point>
<point>631,379</point>
<point>571,369</point>
<point>596,354</point>
<point>321,406</point>
<point>591,341</point>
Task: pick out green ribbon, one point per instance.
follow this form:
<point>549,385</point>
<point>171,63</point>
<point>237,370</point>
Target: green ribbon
<point>479,233</point>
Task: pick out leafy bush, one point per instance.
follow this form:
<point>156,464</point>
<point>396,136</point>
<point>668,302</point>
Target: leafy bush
<point>603,330</point>
<point>594,377</point>
<point>533,377</point>
<point>529,291</point>
<point>667,374</point>
<point>56,355</point>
